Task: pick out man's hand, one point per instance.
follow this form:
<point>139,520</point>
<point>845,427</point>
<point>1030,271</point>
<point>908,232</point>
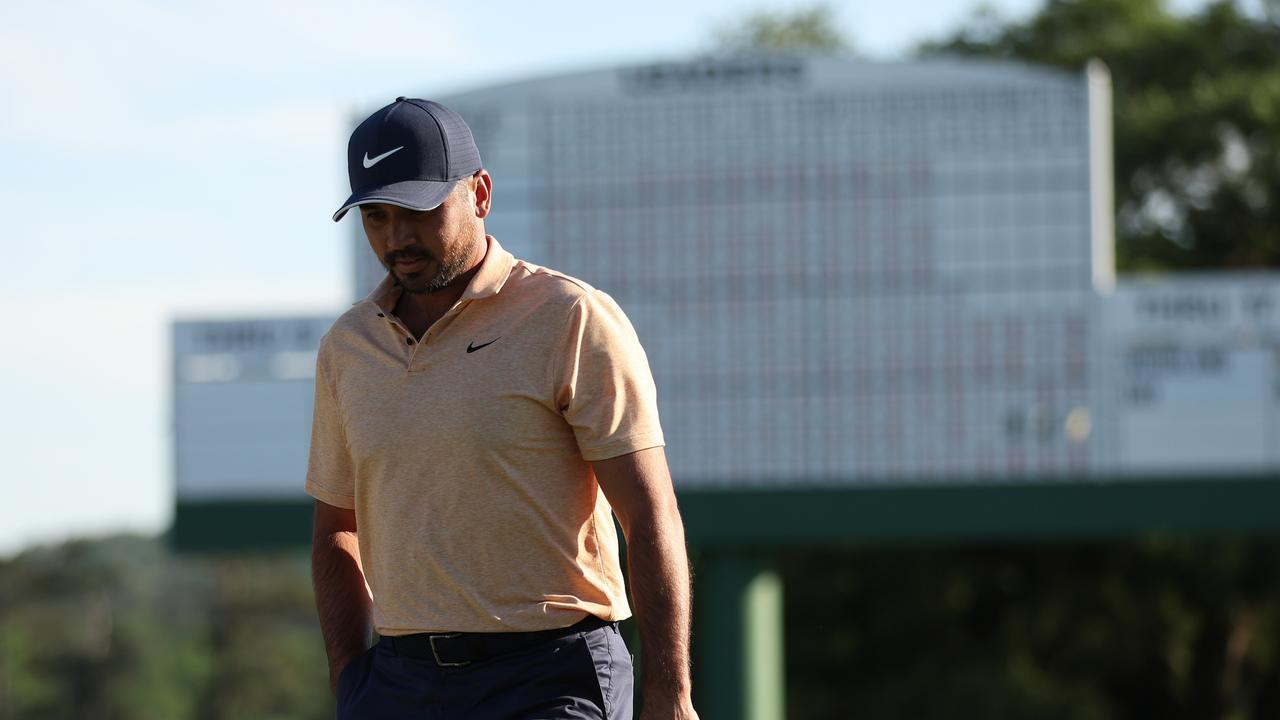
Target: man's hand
<point>342,597</point>
<point>638,486</point>
<point>335,672</point>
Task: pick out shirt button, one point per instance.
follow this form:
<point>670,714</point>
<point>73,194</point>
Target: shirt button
<point>381,315</point>
<point>409,340</point>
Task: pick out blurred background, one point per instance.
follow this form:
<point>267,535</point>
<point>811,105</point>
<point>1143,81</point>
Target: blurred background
<point>963,319</point>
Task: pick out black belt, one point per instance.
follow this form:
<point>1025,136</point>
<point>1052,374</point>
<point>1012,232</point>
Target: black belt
<point>458,649</point>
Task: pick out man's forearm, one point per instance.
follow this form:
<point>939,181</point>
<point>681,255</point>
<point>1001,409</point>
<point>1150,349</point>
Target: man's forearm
<point>638,486</point>
<point>659,568</point>
<point>342,598</point>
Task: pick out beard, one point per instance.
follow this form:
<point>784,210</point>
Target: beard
<point>448,269</point>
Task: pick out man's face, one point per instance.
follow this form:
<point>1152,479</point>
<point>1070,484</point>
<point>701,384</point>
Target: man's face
<point>424,250</point>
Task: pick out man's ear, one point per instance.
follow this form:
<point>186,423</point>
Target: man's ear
<point>482,187</point>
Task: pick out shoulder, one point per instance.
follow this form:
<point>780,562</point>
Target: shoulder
<point>356,320</point>
<point>562,301</point>
<point>576,304</point>
<point>350,325</point>
<point>549,286</point>
<point>359,316</point>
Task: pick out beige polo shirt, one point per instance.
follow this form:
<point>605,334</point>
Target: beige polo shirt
<point>466,455</point>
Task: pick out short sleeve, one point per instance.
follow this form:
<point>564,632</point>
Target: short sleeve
<point>605,390</point>
<point>330,474</point>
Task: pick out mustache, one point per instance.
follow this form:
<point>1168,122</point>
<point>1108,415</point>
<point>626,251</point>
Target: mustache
<point>409,253</point>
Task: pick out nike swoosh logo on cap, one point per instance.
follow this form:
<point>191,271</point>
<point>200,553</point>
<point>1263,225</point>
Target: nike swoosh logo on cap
<point>368,163</point>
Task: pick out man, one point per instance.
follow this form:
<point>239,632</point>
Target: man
<point>477,418</point>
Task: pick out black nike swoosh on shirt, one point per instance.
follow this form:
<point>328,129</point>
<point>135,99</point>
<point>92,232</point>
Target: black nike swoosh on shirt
<point>472,348</point>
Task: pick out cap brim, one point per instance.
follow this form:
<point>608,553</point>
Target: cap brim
<point>411,194</point>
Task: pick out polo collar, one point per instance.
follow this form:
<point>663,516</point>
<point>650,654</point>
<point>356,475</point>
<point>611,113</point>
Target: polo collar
<point>494,270</point>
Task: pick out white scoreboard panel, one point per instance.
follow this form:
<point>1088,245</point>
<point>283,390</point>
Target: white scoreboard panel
<point>843,272</point>
<point>1196,373</point>
<point>243,395</point>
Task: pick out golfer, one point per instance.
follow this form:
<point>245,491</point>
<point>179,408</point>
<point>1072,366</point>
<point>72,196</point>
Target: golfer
<point>479,420</point>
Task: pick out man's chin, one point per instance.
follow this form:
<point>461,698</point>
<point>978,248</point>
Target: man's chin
<point>418,283</point>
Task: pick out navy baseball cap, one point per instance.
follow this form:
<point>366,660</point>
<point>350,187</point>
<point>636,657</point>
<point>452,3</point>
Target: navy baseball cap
<point>410,153</point>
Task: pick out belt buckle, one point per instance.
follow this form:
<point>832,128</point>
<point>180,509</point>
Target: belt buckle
<point>436,654</point>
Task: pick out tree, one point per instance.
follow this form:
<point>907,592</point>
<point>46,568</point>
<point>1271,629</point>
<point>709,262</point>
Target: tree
<point>1177,629</point>
<point>1197,120</point>
<point>809,29</point>
<point>121,628</point>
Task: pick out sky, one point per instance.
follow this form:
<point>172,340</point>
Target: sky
<point>174,160</point>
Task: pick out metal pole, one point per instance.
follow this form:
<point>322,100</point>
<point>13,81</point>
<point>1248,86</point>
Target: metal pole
<point>738,638</point>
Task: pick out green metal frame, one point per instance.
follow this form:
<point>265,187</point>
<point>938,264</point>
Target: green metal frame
<point>957,511</point>
<point>241,525</point>
<point>984,511</point>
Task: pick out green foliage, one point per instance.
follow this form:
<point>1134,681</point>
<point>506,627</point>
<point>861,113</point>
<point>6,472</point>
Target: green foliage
<point>809,29</point>
<point>122,629</point>
<point>1170,629</point>
<point>1197,120</point>
<point>1161,628</point>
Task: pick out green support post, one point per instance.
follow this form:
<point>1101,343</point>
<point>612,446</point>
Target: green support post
<point>738,638</point>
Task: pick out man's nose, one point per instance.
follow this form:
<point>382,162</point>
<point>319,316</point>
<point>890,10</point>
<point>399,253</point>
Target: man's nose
<point>401,234</point>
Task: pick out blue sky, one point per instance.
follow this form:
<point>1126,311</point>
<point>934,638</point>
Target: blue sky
<point>163,160</point>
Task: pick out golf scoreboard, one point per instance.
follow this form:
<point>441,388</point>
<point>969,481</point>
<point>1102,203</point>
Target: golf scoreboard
<point>845,274</point>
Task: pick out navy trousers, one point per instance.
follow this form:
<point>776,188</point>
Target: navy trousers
<point>581,676</point>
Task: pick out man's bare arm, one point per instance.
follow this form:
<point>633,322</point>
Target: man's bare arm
<point>638,486</point>
<point>342,598</point>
